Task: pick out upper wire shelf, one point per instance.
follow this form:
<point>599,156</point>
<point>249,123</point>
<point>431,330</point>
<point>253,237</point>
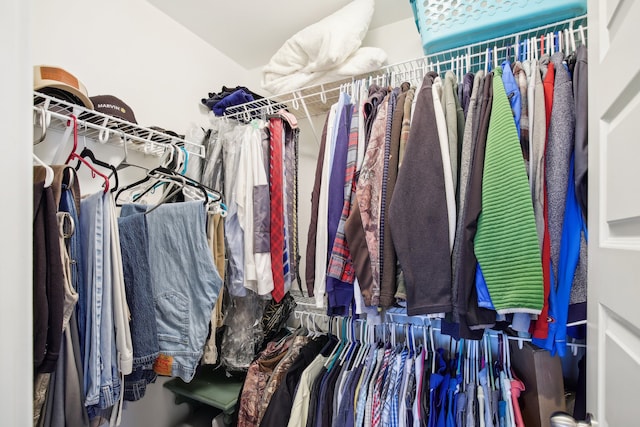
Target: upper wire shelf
<point>317,99</point>
<point>105,128</point>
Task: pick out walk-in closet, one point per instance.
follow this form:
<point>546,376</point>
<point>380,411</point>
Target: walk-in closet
<point>347,213</point>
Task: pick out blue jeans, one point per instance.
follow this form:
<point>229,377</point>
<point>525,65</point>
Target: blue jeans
<point>134,243</point>
<point>109,374</point>
<point>92,232</point>
<point>100,359</point>
<point>186,283</point>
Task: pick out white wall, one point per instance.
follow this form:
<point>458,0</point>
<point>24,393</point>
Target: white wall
<point>16,217</point>
<point>129,49</point>
<point>400,40</point>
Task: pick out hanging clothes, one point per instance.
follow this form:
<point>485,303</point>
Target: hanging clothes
<point>58,395</point>
<point>580,96</point>
<point>505,190</point>
<point>276,230</point>
<point>279,409</point>
<point>276,378</point>
<point>577,309</point>
<point>291,188</point>
<point>339,292</point>
<point>466,156</point>
<point>369,193</point>
<point>450,105</point>
<point>98,344</point>
<point>340,263</point>
<point>252,186</point>
<point>320,256</point>
<point>384,189</point>
<point>47,279</point>
<point>313,224</point>
<point>134,241</point>
<point>182,314</point>
<point>445,150</point>
<point>409,233</point>
<point>299,412</point>
<point>233,229</point>
<point>472,317</point>
<point>401,291</point>
<point>256,381</point>
<point>389,262</point>
<point>215,239</point>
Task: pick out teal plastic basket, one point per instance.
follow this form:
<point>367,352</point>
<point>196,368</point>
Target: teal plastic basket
<point>448,24</point>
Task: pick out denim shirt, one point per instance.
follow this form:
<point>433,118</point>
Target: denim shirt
<point>513,93</point>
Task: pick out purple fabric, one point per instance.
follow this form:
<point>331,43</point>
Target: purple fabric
<point>339,293</point>
<point>466,92</point>
<point>340,264</point>
<point>236,98</point>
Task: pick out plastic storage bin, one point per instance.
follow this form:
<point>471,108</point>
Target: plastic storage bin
<point>447,24</point>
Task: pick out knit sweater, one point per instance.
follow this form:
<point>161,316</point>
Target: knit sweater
<point>418,214</point>
<point>506,242</point>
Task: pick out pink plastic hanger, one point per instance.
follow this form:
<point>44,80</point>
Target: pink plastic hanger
<point>75,156</point>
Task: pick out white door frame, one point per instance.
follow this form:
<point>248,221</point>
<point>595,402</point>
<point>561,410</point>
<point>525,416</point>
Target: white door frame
<point>16,130</point>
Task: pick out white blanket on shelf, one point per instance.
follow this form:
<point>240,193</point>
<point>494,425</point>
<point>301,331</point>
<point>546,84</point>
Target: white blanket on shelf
<point>325,51</point>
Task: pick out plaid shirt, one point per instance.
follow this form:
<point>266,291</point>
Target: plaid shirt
<point>360,399</point>
<point>378,402</point>
<point>340,264</point>
<point>388,387</point>
<point>408,394</point>
<point>368,410</point>
<point>395,398</point>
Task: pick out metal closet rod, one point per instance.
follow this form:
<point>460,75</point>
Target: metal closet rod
<point>471,51</point>
<point>107,126</point>
<point>313,317</point>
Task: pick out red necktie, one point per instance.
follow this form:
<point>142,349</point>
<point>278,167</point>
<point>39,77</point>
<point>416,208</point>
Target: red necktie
<point>276,207</point>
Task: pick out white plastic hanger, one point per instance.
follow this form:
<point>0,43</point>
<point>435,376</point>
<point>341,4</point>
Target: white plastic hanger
<point>467,365</point>
<point>323,94</point>
<point>487,58</point>
<point>506,378</point>
<point>560,42</point>
<point>364,347</point>
<point>341,342</point>
<point>48,179</point>
<point>433,349</point>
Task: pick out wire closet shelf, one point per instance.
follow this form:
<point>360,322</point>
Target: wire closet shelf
<point>317,99</point>
<point>53,113</point>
